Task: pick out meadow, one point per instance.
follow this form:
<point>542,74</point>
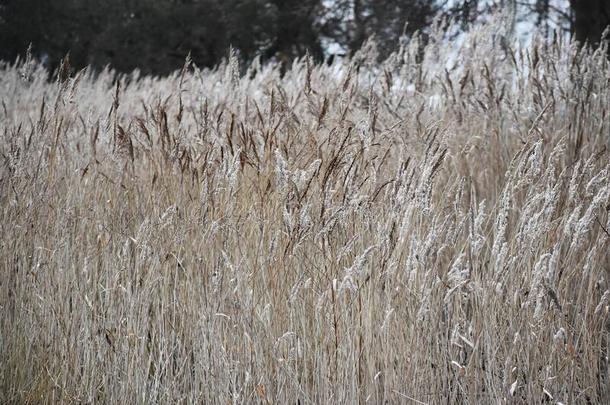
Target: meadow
<point>432,228</point>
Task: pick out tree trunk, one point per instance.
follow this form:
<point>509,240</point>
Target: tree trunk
<point>591,17</point>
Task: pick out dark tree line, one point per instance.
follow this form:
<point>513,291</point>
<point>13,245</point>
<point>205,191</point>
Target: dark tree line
<point>156,35</point>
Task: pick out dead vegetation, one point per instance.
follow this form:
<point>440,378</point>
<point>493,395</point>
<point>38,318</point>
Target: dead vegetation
<point>430,229</point>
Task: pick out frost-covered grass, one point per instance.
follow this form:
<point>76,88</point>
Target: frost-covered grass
<point>405,232</point>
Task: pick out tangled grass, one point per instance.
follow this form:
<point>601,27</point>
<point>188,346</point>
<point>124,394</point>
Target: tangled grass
<point>429,229</point>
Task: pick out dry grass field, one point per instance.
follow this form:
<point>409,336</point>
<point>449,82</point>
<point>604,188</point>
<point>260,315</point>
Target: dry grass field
<point>430,229</point>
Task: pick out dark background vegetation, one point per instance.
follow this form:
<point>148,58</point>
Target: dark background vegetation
<point>156,35</point>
